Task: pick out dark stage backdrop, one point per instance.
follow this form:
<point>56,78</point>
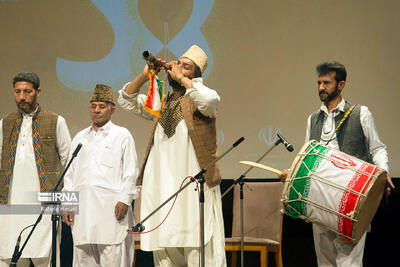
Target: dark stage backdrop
<point>262,58</point>
<point>297,239</point>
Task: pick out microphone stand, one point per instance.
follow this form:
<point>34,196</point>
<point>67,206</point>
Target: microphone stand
<point>241,182</point>
<point>54,217</point>
<point>200,178</point>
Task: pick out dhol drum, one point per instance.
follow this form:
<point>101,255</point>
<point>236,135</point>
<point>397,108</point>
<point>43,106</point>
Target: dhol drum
<point>333,189</point>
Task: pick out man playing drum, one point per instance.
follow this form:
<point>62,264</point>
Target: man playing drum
<point>356,136</point>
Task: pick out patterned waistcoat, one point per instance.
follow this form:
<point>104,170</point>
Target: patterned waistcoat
<point>202,132</point>
<point>47,125</point>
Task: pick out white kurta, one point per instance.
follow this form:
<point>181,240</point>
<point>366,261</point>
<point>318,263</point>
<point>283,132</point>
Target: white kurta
<point>169,162</point>
<point>104,173</point>
<point>24,185</point>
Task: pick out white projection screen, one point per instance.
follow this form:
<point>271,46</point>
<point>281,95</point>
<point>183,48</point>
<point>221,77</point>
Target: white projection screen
<point>262,58</point>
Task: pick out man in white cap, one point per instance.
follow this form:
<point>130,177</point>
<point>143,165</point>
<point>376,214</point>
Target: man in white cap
<point>182,142</point>
<point>104,173</point>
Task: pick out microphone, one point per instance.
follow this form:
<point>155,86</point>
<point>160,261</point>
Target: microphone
<point>77,150</point>
<point>288,146</point>
<point>16,251</point>
<point>238,141</point>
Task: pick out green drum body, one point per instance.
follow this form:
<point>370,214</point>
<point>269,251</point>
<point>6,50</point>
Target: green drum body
<point>333,189</point>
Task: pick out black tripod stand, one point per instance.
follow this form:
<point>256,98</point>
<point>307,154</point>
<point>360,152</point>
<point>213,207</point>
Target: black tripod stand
<point>241,182</point>
<point>54,218</point>
<point>200,178</point>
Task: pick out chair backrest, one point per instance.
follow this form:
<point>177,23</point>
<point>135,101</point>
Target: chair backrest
<point>261,210</point>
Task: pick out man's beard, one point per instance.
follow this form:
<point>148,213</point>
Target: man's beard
<point>174,84</point>
<point>27,107</point>
<point>330,96</point>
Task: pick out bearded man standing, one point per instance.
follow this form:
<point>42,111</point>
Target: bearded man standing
<point>358,137</point>
<point>34,145</point>
<point>181,143</point>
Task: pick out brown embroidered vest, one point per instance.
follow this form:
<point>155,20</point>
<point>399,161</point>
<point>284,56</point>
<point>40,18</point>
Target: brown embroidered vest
<point>202,132</point>
<point>47,125</point>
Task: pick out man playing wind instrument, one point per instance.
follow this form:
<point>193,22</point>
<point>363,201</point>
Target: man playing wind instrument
<point>182,142</point>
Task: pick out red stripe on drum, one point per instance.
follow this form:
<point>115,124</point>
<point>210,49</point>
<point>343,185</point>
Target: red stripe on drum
<point>358,183</point>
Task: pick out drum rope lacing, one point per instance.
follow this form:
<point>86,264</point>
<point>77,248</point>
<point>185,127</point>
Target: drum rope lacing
<point>312,203</point>
<point>307,219</point>
<point>322,180</point>
<point>317,153</point>
<point>313,150</point>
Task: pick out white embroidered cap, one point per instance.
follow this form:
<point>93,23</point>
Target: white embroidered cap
<point>198,56</point>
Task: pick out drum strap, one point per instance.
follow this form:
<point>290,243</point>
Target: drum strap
<point>341,122</point>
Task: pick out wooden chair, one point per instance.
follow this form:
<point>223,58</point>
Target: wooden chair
<point>262,221</point>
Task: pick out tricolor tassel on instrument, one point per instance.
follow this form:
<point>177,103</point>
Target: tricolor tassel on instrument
<point>155,95</point>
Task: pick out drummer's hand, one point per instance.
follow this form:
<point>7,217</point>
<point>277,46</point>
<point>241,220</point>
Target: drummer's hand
<point>389,185</point>
<point>284,175</point>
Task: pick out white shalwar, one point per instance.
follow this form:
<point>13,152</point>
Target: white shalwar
<point>23,190</point>
<point>104,173</point>
<point>332,249</point>
<point>171,160</point>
